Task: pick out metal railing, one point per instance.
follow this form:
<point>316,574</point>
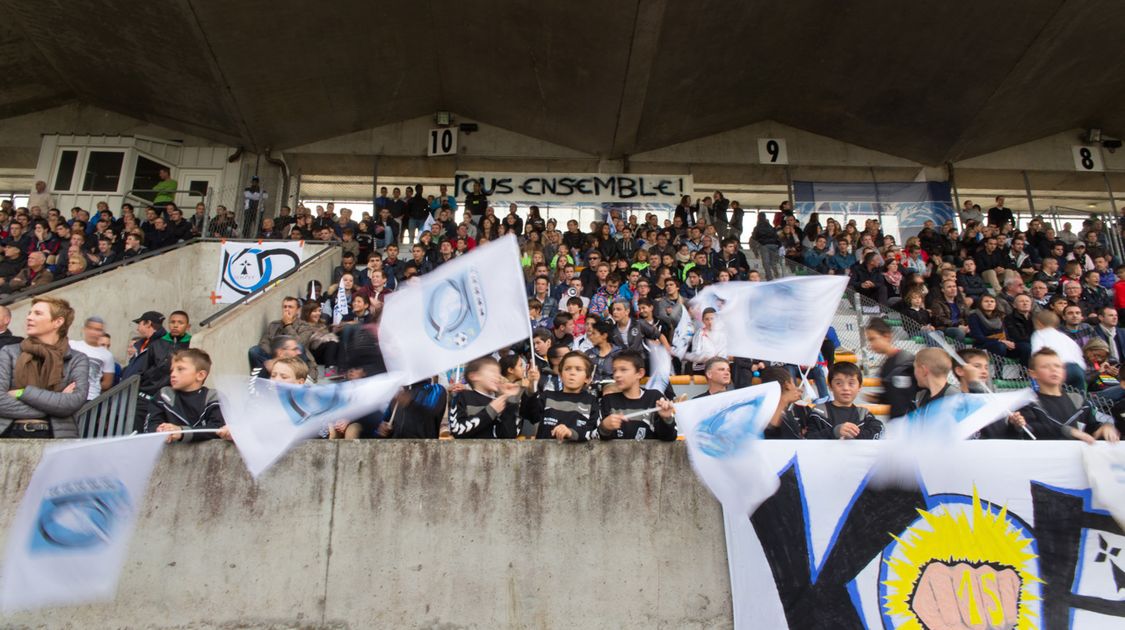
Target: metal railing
<point>30,291</point>
<point>111,413</point>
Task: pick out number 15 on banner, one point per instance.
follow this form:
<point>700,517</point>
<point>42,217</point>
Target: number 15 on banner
<point>772,151</point>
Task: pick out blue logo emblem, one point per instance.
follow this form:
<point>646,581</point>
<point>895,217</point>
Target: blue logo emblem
<point>80,515</point>
<point>455,311</point>
<point>304,403</point>
<point>727,430</point>
<point>253,268</point>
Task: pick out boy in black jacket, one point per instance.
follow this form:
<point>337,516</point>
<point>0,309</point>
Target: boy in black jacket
<point>186,403</point>
<point>790,421</point>
<point>571,414</point>
<point>1056,414</point>
<point>489,408</point>
<point>628,370</point>
<point>841,419</point>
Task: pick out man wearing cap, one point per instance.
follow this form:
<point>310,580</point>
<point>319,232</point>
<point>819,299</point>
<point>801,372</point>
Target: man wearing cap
<point>152,361</point>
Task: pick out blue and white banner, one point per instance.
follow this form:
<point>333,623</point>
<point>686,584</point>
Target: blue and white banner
<point>68,541</point>
<point>956,416</point>
<point>784,320</point>
<point>464,309</point>
<point>247,267</point>
<point>910,203</point>
<point>722,432</point>
<point>266,418</point>
<point>340,308</point>
<point>990,534</point>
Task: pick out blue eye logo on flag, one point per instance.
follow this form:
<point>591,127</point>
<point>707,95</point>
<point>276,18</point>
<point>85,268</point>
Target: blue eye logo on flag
<point>81,515</point>
<point>304,403</point>
<point>724,433</point>
<point>455,311</point>
<point>252,268</point>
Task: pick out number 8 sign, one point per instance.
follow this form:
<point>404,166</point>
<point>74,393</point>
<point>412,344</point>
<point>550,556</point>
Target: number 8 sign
<point>1087,159</point>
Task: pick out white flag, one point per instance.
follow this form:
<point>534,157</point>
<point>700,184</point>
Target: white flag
<point>784,320</point>
<point>721,433</point>
<point>68,542</point>
<point>267,418</point>
<point>1105,468</point>
<point>464,309</point>
<point>661,364</point>
<point>429,222</point>
<point>681,337</point>
<point>1066,347</point>
<point>340,309</point>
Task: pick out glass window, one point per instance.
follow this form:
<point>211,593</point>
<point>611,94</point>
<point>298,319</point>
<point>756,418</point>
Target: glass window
<point>64,175</point>
<point>147,176</point>
<point>103,171</point>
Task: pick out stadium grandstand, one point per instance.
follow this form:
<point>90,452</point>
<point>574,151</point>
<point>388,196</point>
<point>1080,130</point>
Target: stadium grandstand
<point>457,315</point>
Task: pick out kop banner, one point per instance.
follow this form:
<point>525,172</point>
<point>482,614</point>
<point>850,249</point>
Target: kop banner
<point>267,418</point>
<point>989,534</point>
<point>783,320</point>
<point>68,541</point>
<point>246,267</point>
<point>464,309</point>
<point>572,188</point>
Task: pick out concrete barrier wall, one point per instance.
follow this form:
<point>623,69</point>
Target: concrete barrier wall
<point>228,338</point>
<point>413,534</point>
<point>181,279</point>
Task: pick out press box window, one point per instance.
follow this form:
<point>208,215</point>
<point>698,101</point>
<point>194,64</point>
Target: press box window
<point>147,176</point>
<point>103,171</point>
<point>64,175</point>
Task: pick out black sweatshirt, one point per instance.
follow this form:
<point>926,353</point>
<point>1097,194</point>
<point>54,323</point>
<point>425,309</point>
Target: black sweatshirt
<point>647,427</point>
<point>191,410</point>
<point>824,419</point>
<point>577,411</point>
<point>471,416</point>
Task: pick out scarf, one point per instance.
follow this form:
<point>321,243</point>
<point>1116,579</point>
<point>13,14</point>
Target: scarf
<point>993,322</point>
<point>40,365</point>
<point>893,277</point>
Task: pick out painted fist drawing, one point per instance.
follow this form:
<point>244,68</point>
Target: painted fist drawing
<point>963,597</point>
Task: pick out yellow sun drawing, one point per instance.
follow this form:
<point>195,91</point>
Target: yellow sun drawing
<point>962,562</point>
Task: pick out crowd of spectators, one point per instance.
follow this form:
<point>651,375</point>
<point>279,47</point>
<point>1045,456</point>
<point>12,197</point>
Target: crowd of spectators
<point>40,245</point>
<point>599,300</point>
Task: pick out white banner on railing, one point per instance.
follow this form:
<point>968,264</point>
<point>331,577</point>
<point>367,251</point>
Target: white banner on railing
<point>246,267</point>
<point>571,188</point>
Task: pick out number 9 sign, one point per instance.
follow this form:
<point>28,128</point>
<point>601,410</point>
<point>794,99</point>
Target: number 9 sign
<point>772,151</point>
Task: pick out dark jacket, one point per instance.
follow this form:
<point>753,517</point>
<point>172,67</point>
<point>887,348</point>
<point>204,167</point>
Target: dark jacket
<point>824,420</point>
<point>7,338</point>
<point>152,362</point>
<point>1018,328</point>
<point>36,402</point>
<point>191,410</point>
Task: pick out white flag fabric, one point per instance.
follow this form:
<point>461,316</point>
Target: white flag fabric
<point>464,309</point>
<point>681,337</point>
<point>267,418</point>
<point>340,308</point>
<point>429,222</point>
<point>660,363</point>
<point>721,432</point>
<point>957,416</point>
<point>247,267</point>
<point>784,320</point>
<point>1105,468</point>
<point>68,542</point>
<point>1066,347</point>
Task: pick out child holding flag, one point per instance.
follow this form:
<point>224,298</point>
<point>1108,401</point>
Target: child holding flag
<point>573,413</point>
<point>657,419</point>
